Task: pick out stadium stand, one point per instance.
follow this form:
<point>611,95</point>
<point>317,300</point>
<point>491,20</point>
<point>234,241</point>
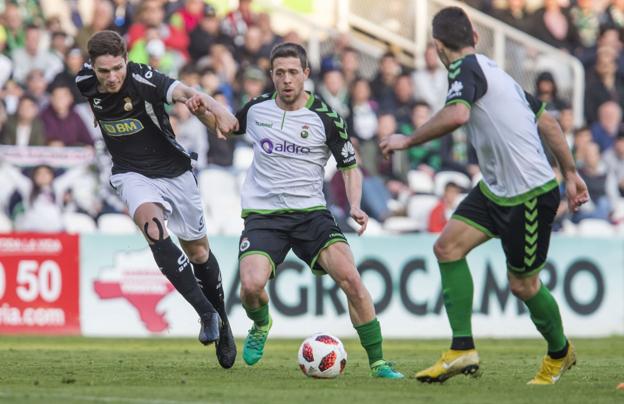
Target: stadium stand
<point>358,57</point>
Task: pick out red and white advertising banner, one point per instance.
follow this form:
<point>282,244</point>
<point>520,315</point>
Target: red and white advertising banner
<point>39,283</point>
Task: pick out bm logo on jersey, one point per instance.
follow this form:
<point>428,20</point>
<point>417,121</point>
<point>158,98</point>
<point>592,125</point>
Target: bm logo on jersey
<point>123,127</point>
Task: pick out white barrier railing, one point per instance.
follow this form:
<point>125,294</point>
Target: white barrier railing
<point>515,51</point>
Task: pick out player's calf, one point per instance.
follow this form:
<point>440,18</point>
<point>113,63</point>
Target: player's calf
<point>176,267</point>
<point>209,277</point>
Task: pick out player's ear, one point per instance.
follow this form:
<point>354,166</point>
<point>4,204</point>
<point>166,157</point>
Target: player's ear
<point>306,72</point>
<point>475,37</point>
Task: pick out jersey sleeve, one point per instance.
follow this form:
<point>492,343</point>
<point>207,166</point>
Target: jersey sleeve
<point>467,82</point>
<point>339,143</point>
<point>152,84</point>
<point>241,115</point>
<point>536,105</point>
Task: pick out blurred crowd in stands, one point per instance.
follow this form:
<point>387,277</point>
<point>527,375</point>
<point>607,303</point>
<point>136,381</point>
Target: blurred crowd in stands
<point>43,45</point>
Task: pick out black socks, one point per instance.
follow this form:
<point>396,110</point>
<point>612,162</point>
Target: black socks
<point>174,264</point>
<point>209,277</point>
<point>462,343</point>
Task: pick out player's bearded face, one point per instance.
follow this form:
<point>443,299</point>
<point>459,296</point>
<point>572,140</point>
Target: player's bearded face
<point>111,72</point>
<point>288,77</point>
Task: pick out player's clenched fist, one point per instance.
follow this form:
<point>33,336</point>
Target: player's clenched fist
<point>226,122</point>
<point>209,110</point>
<point>196,105</point>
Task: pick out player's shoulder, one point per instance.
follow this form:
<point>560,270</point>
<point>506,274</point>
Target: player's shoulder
<point>468,63</point>
<point>140,68</point>
<point>330,118</point>
<point>264,98</point>
<point>143,75</point>
<point>86,81</point>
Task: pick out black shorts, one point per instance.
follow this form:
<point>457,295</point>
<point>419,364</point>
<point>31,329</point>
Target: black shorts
<point>273,235</point>
<point>524,229</point>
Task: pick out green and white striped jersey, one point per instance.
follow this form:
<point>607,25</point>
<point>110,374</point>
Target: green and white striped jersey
<point>291,149</point>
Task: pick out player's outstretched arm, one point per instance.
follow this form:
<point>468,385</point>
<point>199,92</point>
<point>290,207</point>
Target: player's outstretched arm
<point>444,121</point>
<point>209,111</point>
<point>353,186</point>
<point>576,190</point>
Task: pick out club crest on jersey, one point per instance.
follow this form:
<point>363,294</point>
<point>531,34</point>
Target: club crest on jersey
<point>304,131</point>
<point>244,245</point>
<point>127,104</point>
<point>122,127</point>
<point>455,90</point>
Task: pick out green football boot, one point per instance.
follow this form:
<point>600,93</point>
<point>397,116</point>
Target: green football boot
<point>254,343</point>
<point>384,370</point>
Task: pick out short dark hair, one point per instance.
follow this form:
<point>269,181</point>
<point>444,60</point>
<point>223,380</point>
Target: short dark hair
<point>453,28</point>
<point>290,49</point>
<point>106,43</point>
<point>27,97</point>
<point>32,26</point>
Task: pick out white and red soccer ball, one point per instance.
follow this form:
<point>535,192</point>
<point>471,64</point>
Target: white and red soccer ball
<point>322,356</point>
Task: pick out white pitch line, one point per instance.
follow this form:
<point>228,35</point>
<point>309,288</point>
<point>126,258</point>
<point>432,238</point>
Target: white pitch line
<point>110,399</point>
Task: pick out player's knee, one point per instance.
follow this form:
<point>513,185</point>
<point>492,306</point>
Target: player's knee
<point>197,254</point>
<point>250,287</point>
<point>524,289</point>
<point>352,285</point>
<point>443,250</point>
<point>154,230</point>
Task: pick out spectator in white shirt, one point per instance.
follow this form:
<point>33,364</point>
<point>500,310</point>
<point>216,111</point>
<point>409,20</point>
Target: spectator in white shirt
<point>431,83</point>
<point>31,57</point>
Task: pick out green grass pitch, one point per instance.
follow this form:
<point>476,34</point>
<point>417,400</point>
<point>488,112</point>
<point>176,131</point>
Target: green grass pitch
<point>172,371</point>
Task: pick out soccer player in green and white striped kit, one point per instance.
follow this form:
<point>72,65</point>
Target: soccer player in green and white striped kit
<point>516,201</point>
<point>294,133</point>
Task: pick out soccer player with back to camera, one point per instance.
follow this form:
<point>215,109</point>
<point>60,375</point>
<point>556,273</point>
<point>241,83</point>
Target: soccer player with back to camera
<point>293,135</point>
<point>516,201</point>
<point>152,174</point>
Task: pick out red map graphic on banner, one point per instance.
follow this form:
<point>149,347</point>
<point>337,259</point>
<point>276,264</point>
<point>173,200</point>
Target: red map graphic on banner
<point>136,278</point>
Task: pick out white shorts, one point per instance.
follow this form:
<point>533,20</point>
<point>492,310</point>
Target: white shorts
<point>178,196</point>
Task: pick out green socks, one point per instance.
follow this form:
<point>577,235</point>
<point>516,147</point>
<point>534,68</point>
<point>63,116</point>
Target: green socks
<point>545,315</point>
<point>370,338</point>
<point>457,289</point>
<point>260,315</point>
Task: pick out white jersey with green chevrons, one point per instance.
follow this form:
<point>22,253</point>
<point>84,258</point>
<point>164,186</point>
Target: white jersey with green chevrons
<point>291,149</point>
<point>503,130</point>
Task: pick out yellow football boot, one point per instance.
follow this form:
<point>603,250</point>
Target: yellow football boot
<point>450,364</point>
<point>551,370</point>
